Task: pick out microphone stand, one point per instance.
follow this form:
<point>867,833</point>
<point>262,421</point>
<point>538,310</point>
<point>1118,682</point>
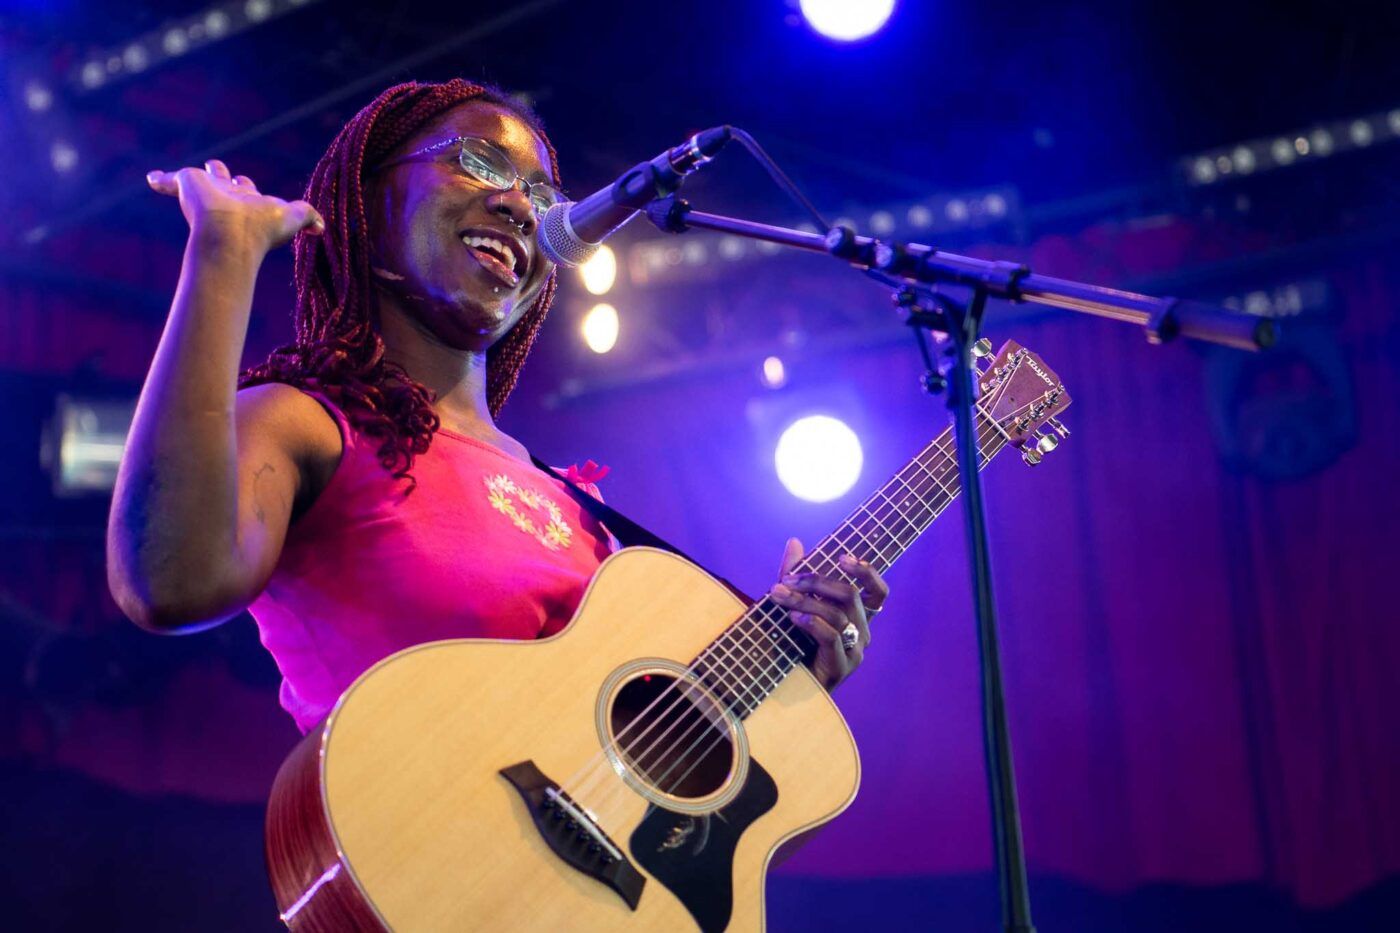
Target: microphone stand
<point>947,294</point>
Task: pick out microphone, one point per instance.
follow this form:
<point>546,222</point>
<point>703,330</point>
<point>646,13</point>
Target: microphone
<point>571,231</point>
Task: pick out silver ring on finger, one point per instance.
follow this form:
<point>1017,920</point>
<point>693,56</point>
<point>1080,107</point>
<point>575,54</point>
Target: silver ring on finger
<point>850,636</point>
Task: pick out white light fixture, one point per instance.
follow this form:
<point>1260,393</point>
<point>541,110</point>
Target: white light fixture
<point>257,10</point>
<point>37,97</point>
<point>818,458</point>
<point>93,74</point>
<point>847,20</point>
<point>215,23</point>
<point>175,42</point>
<point>600,328</point>
<point>600,271</point>
<point>63,156</point>
<point>136,58</point>
<point>774,373</point>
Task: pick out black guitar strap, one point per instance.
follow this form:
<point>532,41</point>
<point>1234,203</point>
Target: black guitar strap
<point>627,532</point>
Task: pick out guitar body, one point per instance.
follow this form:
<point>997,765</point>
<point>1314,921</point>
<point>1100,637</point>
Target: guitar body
<point>395,812</point>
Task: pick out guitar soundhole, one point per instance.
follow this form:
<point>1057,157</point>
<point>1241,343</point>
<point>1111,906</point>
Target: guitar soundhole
<point>672,737</point>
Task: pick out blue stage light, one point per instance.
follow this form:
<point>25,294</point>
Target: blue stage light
<point>818,458</point>
<point>847,20</point>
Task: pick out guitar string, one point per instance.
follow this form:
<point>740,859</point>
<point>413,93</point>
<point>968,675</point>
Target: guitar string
<point>948,468</point>
<point>939,445</point>
<point>707,750</point>
<point>984,456</point>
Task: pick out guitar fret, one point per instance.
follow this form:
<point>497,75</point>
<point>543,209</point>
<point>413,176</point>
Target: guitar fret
<point>879,524</point>
<point>936,481</point>
<point>754,655</point>
<point>894,507</point>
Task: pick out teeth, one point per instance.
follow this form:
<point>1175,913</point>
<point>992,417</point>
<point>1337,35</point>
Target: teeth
<point>491,243</point>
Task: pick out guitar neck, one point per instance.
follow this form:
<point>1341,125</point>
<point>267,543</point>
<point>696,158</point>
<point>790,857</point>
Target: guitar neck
<point>747,662</point>
<point>883,527</point>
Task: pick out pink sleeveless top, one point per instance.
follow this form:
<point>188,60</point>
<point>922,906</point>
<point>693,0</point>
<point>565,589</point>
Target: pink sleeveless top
<point>486,546</point>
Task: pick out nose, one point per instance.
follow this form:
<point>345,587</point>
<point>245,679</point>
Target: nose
<point>514,206</point>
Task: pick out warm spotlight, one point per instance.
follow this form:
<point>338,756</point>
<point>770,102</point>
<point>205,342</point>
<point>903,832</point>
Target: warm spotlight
<point>774,373</point>
<point>599,272</point>
<point>847,20</point>
<point>818,458</point>
<point>600,327</point>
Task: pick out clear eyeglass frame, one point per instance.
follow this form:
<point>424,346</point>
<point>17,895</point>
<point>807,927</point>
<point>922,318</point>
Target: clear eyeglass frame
<point>483,161</point>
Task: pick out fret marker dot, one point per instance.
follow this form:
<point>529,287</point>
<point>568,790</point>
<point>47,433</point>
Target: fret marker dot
<point>818,458</point>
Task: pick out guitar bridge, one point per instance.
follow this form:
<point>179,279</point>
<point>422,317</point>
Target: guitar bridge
<point>572,834</point>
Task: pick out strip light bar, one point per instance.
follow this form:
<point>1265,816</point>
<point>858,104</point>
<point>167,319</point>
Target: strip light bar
<point>175,39</point>
<point>1308,145</point>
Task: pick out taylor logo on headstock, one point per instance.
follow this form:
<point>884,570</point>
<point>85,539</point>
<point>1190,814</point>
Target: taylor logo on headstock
<point>1021,397</point>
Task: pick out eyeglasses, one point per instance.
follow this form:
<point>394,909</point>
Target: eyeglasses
<point>484,161</point>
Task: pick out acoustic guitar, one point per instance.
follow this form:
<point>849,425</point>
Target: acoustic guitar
<point>637,770</point>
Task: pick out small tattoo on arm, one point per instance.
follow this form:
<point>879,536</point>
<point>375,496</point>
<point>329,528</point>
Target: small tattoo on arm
<point>258,510</point>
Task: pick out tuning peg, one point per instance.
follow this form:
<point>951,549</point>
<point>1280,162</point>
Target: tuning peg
<point>982,348</point>
<point>1046,443</point>
<point>1057,427</point>
<point>1031,456</point>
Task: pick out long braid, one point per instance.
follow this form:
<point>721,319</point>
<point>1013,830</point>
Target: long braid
<point>337,350</point>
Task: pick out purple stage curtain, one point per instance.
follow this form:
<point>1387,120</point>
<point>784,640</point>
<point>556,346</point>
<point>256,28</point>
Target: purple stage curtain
<point>1200,662</point>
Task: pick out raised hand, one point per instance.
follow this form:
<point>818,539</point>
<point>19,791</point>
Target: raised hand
<point>216,204</point>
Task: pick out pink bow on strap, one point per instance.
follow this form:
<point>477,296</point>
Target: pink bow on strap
<point>590,472</point>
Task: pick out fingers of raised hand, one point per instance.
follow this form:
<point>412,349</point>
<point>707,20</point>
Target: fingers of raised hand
<point>218,169</point>
<point>305,217</point>
<point>243,181</point>
<point>163,182</point>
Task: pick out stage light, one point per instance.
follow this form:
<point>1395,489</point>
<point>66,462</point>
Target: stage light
<point>919,216</point>
<point>1282,151</point>
<point>956,210</point>
<point>1244,159</point>
<point>1302,146</point>
<point>731,247</point>
<point>82,445</point>
<point>135,57</point>
<point>1393,120</point>
<point>216,23</point>
<point>257,10</point>
<point>774,373</point>
<point>63,156</point>
<point>93,74</point>
<point>881,223</point>
<point>818,458</point>
<point>847,20</point>
<point>1361,133</point>
<point>37,97</point>
<point>600,271</point>
<point>1322,142</point>
<point>175,42</point>
<point>994,205</point>
<point>1203,170</point>
<point>600,328</point>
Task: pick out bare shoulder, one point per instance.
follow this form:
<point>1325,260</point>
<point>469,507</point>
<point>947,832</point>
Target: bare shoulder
<point>277,416</point>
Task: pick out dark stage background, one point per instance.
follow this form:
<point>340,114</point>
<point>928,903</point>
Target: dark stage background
<point>1198,613</point>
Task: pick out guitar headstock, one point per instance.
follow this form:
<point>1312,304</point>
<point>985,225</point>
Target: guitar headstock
<point>1023,396</point>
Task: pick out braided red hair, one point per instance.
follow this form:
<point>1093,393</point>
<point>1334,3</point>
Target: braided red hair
<point>337,350</point>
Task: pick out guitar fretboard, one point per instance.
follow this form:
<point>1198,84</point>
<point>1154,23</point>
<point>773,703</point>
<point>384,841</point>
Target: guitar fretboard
<point>746,663</point>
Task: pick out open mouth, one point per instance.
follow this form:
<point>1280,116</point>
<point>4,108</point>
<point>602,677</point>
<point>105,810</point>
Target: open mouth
<point>500,256</point>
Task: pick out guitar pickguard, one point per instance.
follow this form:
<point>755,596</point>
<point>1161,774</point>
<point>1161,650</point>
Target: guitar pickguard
<point>693,856</point>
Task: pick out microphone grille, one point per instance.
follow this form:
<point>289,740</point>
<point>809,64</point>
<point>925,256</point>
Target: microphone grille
<point>559,242</point>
